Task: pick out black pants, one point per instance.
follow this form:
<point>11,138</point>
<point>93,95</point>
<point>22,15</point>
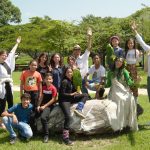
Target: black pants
<point>8,97</point>
<point>44,116</point>
<point>65,106</point>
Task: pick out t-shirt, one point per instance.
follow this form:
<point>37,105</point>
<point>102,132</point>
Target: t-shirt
<point>82,63</point>
<point>131,57</point>
<point>31,80</point>
<point>22,114</point>
<point>97,74</point>
<point>42,70</point>
<point>48,93</point>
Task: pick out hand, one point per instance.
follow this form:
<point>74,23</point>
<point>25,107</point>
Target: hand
<point>19,39</point>
<point>42,108</point>
<point>38,109</point>
<point>134,26</point>
<point>89,32</point>
<point>15,120</point>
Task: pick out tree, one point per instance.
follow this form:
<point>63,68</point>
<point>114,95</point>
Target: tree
<point>9,13</point>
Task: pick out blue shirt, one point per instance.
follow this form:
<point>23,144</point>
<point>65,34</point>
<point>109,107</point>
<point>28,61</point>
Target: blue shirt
<point>119,52</point>
<point>22,114</point>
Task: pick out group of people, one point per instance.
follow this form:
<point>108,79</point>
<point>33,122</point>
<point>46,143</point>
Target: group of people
<point>43,84</point>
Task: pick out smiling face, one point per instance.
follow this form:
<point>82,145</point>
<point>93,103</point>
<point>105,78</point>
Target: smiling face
<point>130,44</point>
<point>115,42</point>
<point>3,57</point>
<point>25,102</point>
<point>48,80</point>
<point>56,59</point>
<point>33,66</point>
<point>118,63</point>
<point>69,73</point>
<point>96,60</point>
<point>43,59</point>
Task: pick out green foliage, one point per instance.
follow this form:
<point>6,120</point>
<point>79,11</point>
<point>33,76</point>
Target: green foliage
<point>9,13</point>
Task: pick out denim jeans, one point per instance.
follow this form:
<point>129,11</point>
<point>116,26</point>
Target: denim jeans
<point>23,128</point>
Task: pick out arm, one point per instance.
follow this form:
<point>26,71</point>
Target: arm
<point>6,113</point>
<point>89,39</point>
<point>139,38</point>
<point>11,57</point>
<point>52,101</point>
<point>128,79</point>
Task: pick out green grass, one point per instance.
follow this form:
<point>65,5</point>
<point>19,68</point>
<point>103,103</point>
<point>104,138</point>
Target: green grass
<point>112,141</point>
<point>16,77</point>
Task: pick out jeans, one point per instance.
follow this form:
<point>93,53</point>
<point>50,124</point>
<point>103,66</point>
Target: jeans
<point>23,128</point>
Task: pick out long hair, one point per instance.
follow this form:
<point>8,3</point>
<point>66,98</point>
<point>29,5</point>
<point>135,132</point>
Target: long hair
<point>41,55</point>
<point>127,48</point>
<point>119,69</point>
<point>52,63</point>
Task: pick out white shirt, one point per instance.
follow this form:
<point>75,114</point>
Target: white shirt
<point>4,76</point>
<point>82,63</point>
<point>146,48</point>
<point>97,74</point>
<point>130,57</point>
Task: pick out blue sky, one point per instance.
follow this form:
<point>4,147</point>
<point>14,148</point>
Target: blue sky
<point>71,10</point>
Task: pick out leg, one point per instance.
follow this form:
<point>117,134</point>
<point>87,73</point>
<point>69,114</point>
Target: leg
<point>9,126</point>
<point>148,87</point>
<point>44,120</point>
<point>9,96</point>
<point>25,130</point>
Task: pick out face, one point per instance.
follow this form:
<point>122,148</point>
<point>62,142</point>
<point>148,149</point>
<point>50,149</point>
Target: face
<point>77,53</point>
<point>3,57</point>
<point>48,80</point>
<point>56,59</point>
<point>25,102</point>
<point>115,42</point>
<point>96,60</point>
<point>33,66</point>
<point>118,63</point>
<point>43,59</point>
<point>130,44</point>
<point>71,62</point>
<point>69,73</point>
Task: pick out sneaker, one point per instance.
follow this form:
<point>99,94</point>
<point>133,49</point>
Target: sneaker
<point>67,141</point>
<point>13,140</point>
<point>79,113</point>
<point>45,140</point>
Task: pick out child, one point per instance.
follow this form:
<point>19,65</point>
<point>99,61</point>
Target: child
<point>7,66</point>
<point>18,117</point>
<point>67,96</point>
<point>113,50</point>
<point>46,103</point>
<point>43,67</point>
<point>98,77</point>
<point>31,82</point>
<point>132,57</point>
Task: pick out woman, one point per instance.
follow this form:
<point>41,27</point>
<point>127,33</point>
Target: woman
<point>119,81</point>
<point>67,96</point>
<point>56,63</point>
<point>7,66</point>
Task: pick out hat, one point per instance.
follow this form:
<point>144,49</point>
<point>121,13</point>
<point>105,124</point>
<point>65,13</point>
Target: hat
<point>114,37</point>
<point>77,47</point>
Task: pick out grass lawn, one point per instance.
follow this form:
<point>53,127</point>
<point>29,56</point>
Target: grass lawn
<point>114,141</point>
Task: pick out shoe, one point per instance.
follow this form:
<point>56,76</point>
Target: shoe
<point>79,113</point>
<point>67,141</point>
<point>45,140</point>
<point>13,140</point>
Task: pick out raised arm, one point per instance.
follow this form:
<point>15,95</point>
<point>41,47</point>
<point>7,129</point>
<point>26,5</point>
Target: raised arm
<point>89,39</point>
<point>11,56</point>
<point>139,38</point>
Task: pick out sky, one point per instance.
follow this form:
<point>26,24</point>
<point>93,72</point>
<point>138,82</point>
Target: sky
<point>74,10</point>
